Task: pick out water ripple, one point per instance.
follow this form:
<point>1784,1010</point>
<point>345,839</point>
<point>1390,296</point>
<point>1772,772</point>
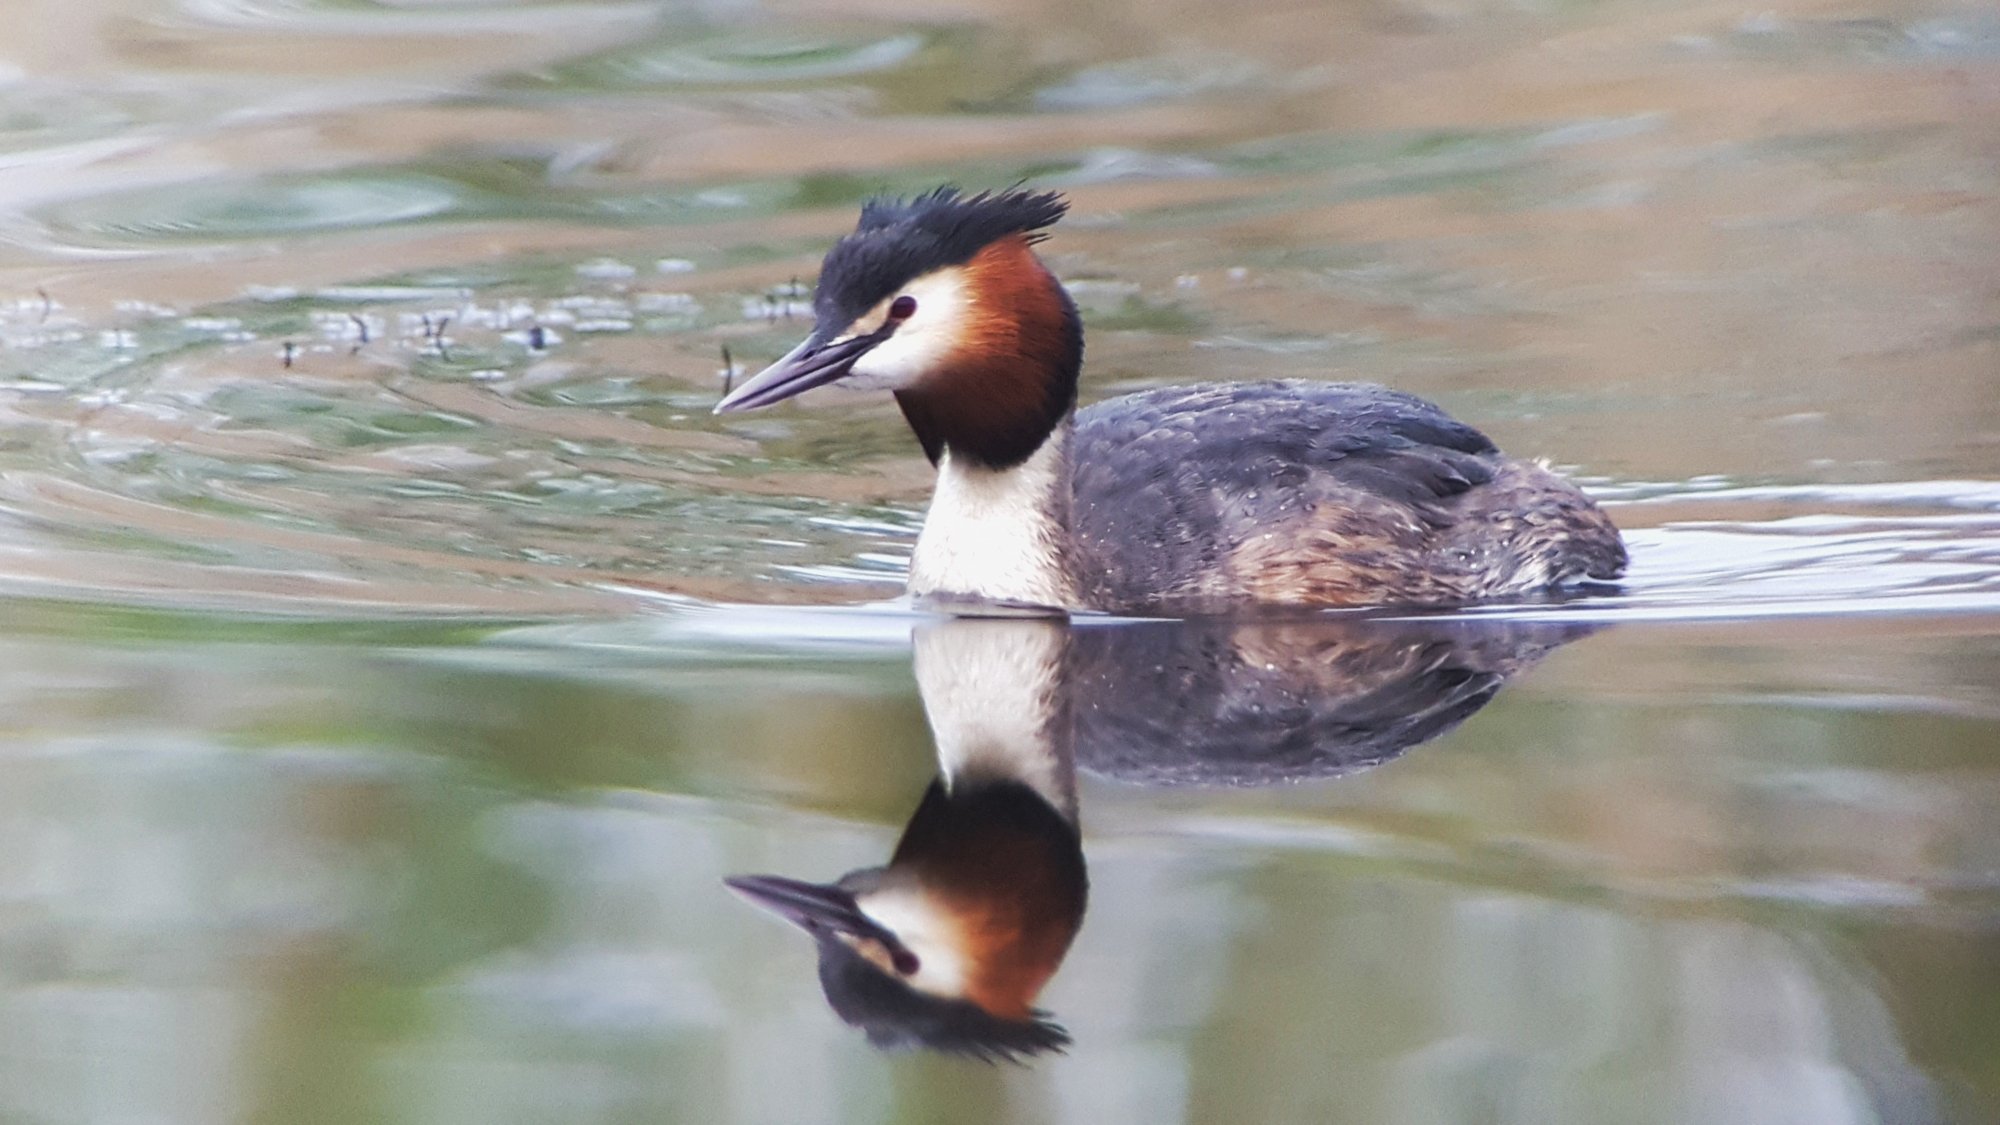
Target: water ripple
<point>233,210</point>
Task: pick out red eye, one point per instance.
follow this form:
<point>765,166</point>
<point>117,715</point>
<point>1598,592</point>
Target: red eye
<point>903,308</point>
<point>905,961</point>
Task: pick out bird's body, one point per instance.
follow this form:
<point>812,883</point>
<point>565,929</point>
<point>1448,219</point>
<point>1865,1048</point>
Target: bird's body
<point>1193,499</point>
<point>1189,499</point>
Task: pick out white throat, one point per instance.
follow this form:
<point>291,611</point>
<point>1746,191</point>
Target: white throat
<point>996,536</point>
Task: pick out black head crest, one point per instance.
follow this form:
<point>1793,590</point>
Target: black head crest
<point>971,220</point>
<point>900,239</point>
<point>898,1017</point>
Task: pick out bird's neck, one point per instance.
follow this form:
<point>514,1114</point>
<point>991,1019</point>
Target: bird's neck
<point>998,538</point>
<point>1009,378</point>
<point>996,422</point>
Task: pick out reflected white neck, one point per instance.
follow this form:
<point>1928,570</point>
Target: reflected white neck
<point>996,536</point>
<point>992,693</point>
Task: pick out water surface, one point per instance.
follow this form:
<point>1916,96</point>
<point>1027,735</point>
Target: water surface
<point>399,654</point>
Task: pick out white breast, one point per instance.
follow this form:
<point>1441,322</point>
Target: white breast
<point>996,536</point>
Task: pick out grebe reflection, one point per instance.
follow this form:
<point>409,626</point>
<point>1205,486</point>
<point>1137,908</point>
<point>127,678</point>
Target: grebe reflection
<point>949,946</point>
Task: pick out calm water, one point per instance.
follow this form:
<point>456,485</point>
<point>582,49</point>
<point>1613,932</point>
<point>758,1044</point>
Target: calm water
<point>398,655</point>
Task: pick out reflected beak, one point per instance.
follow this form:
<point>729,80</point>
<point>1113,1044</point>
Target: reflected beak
<point>812,364</point>
<point>817,908</point>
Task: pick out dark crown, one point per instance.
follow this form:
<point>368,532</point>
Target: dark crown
<point>898,1017</point>
<point>901,239</point>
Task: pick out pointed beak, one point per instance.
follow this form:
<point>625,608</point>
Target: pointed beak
<point>817,908</point>
<point>813,363</point>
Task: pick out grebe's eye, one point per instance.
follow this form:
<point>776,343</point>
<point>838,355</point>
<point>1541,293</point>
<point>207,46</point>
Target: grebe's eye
<point>903,307</point>
<point>905,961</point>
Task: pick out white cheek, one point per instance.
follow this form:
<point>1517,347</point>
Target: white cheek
<point>923,343</point>
<point>901,360</point>
<point>927,930</point>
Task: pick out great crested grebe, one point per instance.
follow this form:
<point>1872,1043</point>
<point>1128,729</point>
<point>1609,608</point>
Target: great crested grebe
<point>1178,500</point>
